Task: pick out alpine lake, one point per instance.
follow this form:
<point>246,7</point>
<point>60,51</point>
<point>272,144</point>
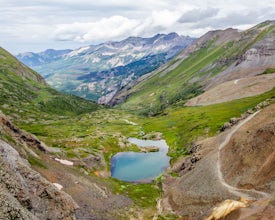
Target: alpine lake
<point>141,166</point>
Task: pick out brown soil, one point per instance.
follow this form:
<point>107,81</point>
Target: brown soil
<point>235,89</point>
<point>94,198</point>
<point>247,163</point>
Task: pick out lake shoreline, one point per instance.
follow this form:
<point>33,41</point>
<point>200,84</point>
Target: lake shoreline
<point>144,166</point>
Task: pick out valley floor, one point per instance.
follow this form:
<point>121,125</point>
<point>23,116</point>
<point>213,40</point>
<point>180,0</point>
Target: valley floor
<point>191,187</point>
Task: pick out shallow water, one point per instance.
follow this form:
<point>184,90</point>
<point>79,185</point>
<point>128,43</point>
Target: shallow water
<point>140,167</point>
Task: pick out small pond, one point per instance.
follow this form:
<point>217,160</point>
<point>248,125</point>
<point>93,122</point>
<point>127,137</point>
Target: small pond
<point>140,167</point>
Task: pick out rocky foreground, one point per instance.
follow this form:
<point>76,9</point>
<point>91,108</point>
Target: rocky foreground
<point>52,191</point>
<point>25,194</point>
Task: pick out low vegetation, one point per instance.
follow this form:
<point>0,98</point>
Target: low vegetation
<point>101,132</point>
<point>36,162</point>
<point>143,195</point>
<point>181,126</point>
<point>269,71</point>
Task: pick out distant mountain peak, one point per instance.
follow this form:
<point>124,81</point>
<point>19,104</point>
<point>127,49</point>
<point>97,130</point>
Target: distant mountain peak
<point>100,70</point>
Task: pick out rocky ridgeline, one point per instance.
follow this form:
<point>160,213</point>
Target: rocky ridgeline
<point>20,136</point>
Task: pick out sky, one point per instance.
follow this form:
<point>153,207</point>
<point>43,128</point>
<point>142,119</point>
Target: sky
<point>37,25</point>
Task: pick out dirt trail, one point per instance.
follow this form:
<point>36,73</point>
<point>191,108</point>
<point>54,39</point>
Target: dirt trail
<point>231,166</point>
<point>262,198</point>
<point>249,194</point>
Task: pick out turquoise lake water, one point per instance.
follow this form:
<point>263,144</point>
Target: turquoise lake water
<point>140,167</point>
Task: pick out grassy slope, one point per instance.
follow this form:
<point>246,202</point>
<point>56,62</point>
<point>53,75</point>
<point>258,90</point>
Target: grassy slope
<point>163,89</point>
<point>25,94</point>
<point>183,125</point>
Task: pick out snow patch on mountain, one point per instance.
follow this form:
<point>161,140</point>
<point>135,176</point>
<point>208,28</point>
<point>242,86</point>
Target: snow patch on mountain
<point>78,51</point>
<point>96,71</point>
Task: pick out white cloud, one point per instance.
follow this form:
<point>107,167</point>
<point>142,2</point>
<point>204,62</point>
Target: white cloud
<point>165,18</point>
<point>70,23</point>
<point>104,29</point>
<point>116,27</point>
<point>198,14</point>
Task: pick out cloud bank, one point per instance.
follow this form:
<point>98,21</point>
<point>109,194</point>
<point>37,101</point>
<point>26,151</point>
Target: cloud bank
<point>40,24</point>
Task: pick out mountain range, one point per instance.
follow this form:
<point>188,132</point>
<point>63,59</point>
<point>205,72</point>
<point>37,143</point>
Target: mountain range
<point>215,58</point>
<point>213,103</point>
<point>97,72</point>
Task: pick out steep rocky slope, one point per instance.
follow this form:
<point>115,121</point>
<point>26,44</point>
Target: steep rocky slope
<point>247,163</point>
<point>215,58</point>
<point>257,56</point>
<point>25,194</point>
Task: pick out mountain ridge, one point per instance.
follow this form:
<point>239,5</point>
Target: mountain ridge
<point>216,57</point>
<point>20,70</point>
<point>96,71</point>
<point>34,59</point>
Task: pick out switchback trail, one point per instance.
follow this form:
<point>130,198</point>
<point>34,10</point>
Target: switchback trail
<point>248,194</point>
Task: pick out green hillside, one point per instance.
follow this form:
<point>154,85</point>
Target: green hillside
<point>212,54</point>
<point>25,93</point>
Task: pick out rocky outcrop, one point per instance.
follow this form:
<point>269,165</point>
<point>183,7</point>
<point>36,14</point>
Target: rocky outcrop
<point>20,136</point>
<point>258,55</point>
<point>91,162</point>
<point>25,194</point>
<point>189,162</point>
<point>234,121</point>
<point>107,98</point>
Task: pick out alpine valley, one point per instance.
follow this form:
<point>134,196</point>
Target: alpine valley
<point>97,72</point>
<point>211,99</point>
